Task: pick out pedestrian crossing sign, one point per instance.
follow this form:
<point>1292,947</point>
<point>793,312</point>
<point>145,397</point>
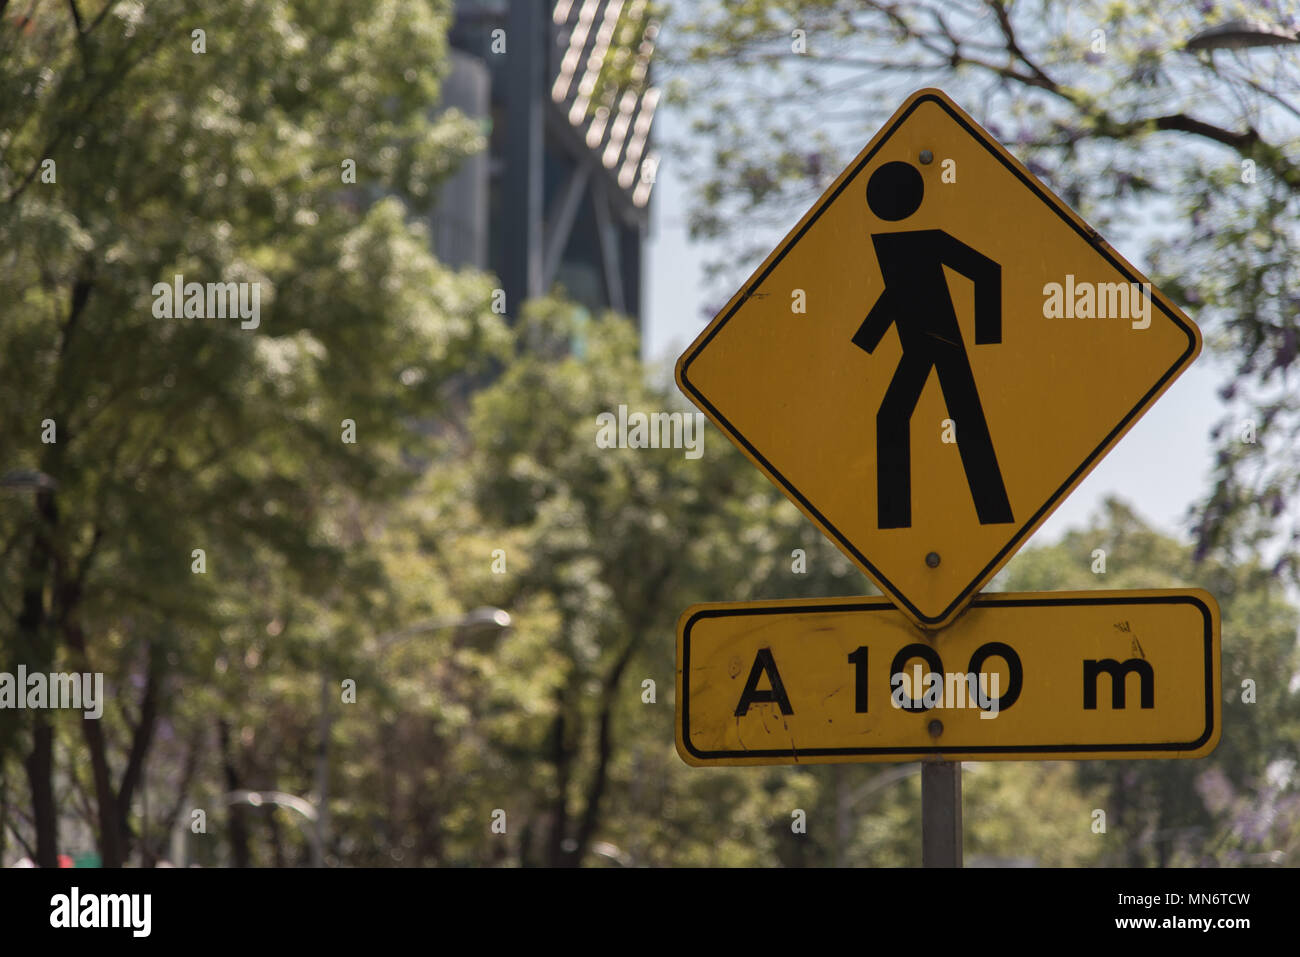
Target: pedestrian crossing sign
<point>934,357</point>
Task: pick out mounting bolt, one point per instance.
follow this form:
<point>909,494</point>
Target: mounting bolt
<point>932,559</point>
<point>926,157</point>
<point>936,728</point>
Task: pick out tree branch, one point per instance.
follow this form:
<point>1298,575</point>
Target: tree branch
<point>31,854</point>
<point>193,750</point>
<point>1182,123</point>
<point>604,750</point>
<point>141,738</point>
<point>1040,79</point>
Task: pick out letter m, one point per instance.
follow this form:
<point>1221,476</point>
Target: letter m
<point>1118,673</point>
<point>119,905</point>
<point>65,691</point>
<point>222,299</point>
<point>1116,299</point>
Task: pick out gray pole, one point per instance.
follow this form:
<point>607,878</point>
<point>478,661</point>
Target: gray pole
<point>522,215</point>
<point>941,814</point>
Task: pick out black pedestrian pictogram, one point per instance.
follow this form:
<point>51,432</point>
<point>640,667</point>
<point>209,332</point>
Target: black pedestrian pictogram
<point>917,302</point>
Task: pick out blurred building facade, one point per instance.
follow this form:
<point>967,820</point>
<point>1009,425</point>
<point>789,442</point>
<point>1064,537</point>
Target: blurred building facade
<point>562,194</point>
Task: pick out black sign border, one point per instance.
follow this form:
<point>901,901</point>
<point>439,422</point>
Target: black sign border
<point>1093,240</point>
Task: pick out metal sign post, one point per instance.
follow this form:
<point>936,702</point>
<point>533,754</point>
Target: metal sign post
<point>941,814</point>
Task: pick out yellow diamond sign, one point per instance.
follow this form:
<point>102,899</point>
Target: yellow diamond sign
<point>934,357</point>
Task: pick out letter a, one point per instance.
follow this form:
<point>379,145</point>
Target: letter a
<point>1052,304</point>
<point>59,914</point>
<point>764,663</point>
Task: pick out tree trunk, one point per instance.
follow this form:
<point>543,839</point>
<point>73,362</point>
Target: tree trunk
<point>37,648</point>
<point>561,755</point>
<point>171,816</point>
<point>36,638</point>
<point>605,750</point>
<point>141,739</point>
<point>238,829</point>
<point>111,849</point>
<point>40,770</point>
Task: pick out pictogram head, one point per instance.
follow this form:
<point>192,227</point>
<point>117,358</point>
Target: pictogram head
<point>894,191</point>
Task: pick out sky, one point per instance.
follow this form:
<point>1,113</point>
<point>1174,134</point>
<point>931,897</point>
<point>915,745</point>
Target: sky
<point>1161,467</point>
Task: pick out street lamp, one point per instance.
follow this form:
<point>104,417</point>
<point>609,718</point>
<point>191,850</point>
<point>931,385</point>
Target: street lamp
<point>1242,34</point>
<point>281,799</point>
<point>487,619</point>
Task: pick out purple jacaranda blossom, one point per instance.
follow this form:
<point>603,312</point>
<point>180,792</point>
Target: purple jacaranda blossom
<point>1215,790</point>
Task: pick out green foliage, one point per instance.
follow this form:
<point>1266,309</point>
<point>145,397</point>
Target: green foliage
<point>176,434</point>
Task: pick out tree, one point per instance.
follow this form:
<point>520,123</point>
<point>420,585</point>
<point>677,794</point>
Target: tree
<point>146,143</point>
<point>619,538</point>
